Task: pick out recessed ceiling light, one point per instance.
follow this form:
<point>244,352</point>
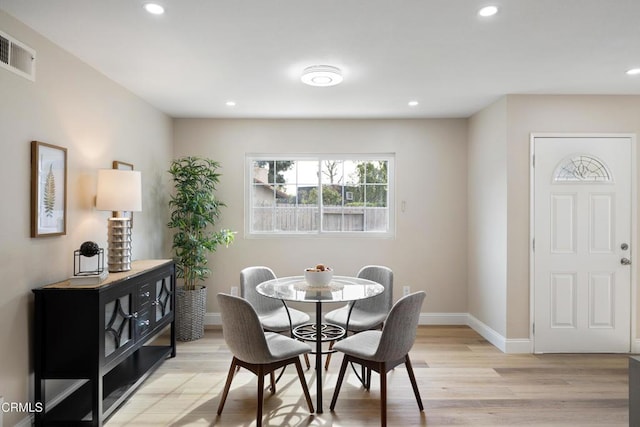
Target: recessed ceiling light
<point>321,75</point>
<point>633,72</point>
<point>413,103</point>
<point>154,8</point>
<point>230,103</point>
<point>488,11</point>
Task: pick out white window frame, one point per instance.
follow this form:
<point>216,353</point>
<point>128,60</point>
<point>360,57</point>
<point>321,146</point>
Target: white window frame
<point>250,158</point>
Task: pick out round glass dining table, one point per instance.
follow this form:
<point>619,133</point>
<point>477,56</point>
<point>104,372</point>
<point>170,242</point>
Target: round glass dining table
<point>340,289</point>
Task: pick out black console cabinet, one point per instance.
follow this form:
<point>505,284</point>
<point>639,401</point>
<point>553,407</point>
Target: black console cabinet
<point>98,335</point>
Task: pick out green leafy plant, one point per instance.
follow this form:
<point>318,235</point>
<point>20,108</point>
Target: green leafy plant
<point>194,211</point>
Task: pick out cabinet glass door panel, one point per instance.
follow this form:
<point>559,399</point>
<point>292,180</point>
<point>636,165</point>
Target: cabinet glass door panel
<point>117,321</point>
<point>164,290</point>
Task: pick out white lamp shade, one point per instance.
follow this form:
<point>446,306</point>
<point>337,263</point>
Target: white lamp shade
<point>119,190</point>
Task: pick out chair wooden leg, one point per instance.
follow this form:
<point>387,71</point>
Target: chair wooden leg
<point>414,384</point>
<point>303,382</point>
<point>343,369</point>
<point>306,356</point>
<point>328,360</point>
<point>383,395</point>
<point>227,385</point>
<point>261,371</point>
<point>260,396</point>
<point>272,377</point>
<point>306,360</point>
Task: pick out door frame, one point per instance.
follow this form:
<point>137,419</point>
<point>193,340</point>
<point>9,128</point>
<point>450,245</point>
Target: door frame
<point>635,342</point>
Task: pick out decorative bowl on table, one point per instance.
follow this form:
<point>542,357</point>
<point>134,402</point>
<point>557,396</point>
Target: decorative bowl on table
<point>319,276</point>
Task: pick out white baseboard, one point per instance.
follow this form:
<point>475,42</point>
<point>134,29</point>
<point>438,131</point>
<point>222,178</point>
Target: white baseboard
<point>212,319</point>
<point>487,333</point>
<point>444,319</point>
<point>505,345</point>
<point>520,345</point>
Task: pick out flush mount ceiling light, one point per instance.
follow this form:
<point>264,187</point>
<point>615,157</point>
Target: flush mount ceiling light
<point>633,72</point>
<point>488,11</point>
<point>154,8</point>
<point>321,75</point>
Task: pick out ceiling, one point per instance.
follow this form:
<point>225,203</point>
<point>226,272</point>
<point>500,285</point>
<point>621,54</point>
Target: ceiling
<point>202,53</point>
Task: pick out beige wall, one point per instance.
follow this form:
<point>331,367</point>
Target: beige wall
<point>487,216</point>
<point>73,106</point>
<point>429,249</point>
<point>535,114</point>
<point>499,145</point>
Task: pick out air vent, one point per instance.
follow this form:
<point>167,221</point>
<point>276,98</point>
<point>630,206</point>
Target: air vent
<point>17,57</point>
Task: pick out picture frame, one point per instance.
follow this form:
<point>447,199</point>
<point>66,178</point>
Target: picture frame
<point>117,164</point>
<point>48,190</point>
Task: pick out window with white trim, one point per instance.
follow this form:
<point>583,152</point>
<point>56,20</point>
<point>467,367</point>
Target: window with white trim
<point>320,194</point>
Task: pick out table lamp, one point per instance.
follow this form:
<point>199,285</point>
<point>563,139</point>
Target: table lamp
<point>119,191</point>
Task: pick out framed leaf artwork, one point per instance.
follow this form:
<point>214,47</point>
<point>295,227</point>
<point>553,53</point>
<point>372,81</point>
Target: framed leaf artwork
<point>48,190</point>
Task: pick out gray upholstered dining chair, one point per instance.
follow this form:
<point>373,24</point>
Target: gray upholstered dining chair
<point>274,315</point>
<point>366,314</point>
<point>382,351</point>
<point>256,350</point>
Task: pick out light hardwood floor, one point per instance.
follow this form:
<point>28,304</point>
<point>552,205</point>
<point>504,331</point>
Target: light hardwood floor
<point>463,380</point>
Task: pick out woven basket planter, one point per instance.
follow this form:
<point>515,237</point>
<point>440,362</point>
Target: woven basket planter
<point>191,305</point>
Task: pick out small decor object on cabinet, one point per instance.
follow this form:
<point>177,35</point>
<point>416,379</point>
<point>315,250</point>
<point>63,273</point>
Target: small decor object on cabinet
<point>88,270</point>
<point>48,190</point>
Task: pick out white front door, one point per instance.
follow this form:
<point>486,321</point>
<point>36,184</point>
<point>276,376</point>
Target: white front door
<point>582,244</point>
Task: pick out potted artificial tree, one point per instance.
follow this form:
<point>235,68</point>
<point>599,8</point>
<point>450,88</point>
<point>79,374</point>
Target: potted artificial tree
<point>194,211</point>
